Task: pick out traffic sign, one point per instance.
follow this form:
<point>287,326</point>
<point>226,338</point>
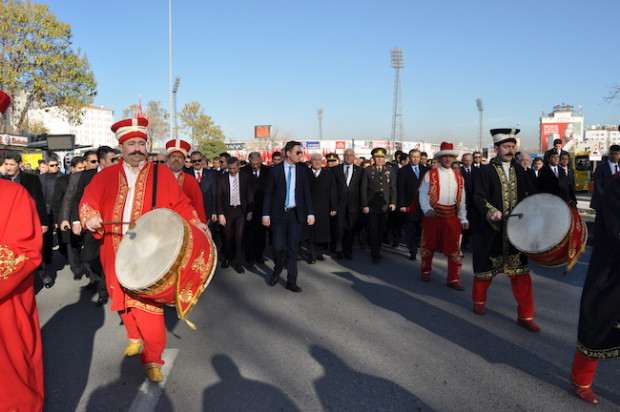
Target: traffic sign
<point>595,153</point>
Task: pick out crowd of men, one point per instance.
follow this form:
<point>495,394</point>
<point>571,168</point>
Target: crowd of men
<point>305,210</point>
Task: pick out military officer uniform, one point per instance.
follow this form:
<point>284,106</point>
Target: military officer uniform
<point>378,195</point>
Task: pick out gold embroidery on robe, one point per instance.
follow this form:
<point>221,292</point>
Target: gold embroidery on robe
<point>9,260</point>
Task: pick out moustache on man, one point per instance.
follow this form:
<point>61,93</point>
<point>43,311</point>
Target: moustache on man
<point>137,153</point>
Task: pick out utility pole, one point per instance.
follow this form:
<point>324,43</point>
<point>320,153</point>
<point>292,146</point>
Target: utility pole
<point>480,109</point>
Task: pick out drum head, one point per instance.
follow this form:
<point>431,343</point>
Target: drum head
<point>545,223</point>
<point>149,249</point>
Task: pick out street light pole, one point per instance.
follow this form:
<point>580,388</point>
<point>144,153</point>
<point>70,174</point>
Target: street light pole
<point>175,89</point>
<point>170,131</point>
<point>319,115</point>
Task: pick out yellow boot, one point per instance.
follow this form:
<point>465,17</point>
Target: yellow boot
<point>133,348</point>
<point>154,374</point>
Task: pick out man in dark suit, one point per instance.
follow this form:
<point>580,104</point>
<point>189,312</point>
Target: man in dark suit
<point>73,243</point>
<point>287,204</point>
<point>407,184</point>
<point>570,176</point>
<point>31,182</point>
<point>525,161</point>
<point>552,179</point>
<point>255,231</point>
<point>208,184</point>
<point>234,207</point>
<point>105,156</point>
<point>557,149</point>
<point>467,171</point>
<point>603,174</point>
<point>348,182</point>
<point>325,201</point>
<point>48,184</point>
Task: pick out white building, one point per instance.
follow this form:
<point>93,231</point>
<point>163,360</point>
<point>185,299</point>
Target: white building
<point>94,130</point>
<point>604,136</point>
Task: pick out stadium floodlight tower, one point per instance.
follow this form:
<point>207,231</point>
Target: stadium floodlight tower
<point>480,109</point>
<point>320,115</point>
<point>397,118</point>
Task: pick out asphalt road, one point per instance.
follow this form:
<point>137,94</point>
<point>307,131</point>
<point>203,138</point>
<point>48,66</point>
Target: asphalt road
<point>360,337</point>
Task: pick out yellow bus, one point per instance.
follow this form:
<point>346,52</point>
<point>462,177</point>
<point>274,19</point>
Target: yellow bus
<point>581,164</point>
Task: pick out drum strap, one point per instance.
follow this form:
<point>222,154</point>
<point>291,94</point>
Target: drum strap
<point>155,185</point>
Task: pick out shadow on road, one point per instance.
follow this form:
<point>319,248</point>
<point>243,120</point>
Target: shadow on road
<point>68,340</point>
<point>469,336</point>
<point>342,388</point>
<point>236,393</point>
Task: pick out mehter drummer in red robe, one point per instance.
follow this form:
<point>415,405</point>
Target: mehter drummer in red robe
<point>122,193</point>
<point>21,353</point>
<point>177,151</point>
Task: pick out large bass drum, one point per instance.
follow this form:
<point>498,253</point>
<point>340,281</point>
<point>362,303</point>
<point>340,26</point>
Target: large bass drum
<point>547,230</point>
<point>166,260</point>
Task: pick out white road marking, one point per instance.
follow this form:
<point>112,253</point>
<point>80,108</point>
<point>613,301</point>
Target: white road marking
<point>149,393</point>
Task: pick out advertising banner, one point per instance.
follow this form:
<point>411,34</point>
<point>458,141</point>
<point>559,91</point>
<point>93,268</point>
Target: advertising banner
<point>570,132</point>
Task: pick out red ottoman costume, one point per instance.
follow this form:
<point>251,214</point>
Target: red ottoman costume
<point>442,191</point>
<point>116,194</point>
<point>21,352</point>
<point>188,183</point>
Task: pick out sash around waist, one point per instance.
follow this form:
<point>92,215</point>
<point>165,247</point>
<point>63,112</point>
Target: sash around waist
<point>445,211</point>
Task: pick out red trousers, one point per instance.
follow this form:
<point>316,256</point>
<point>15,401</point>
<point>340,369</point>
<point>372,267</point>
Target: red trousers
<point>149,328</point>
<point>521,289</point>
<point>441,233</point>
<point>583,370</point>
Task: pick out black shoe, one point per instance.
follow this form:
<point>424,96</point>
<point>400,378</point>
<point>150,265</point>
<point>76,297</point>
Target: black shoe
<point>238,268</point>
<point>250,266</point>
<point>275,276</point>
<point>311,261</point>
<point>102,300</point>
<point>78,276</point>
<point>348,257</point>
<point>412,256</point>
<point>320,257</point>
<point>339,255</point>
<point>376,259</point>
<point>225,263</point>
<point>260,260</point>
<point>47,280</point>
<point>293,288</point>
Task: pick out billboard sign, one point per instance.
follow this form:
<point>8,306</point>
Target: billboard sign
<point>569,131</point>
<point>311,145</point>
<point>262,132</point>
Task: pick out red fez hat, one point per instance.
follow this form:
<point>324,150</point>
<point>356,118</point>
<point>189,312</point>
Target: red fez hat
<point>446,149</point>
<point>5,102</point>
<point>128,128</point>
<point>179,146</point>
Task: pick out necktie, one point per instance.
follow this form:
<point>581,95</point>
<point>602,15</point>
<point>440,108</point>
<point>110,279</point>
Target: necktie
<point>348,177</point>
<point>555,170</point>
<point>316,173</point>
<point>234,194</point>
<point>198,176</point>
<point>616,168</point>
<point>416,171</point>
<point>288,186</point>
